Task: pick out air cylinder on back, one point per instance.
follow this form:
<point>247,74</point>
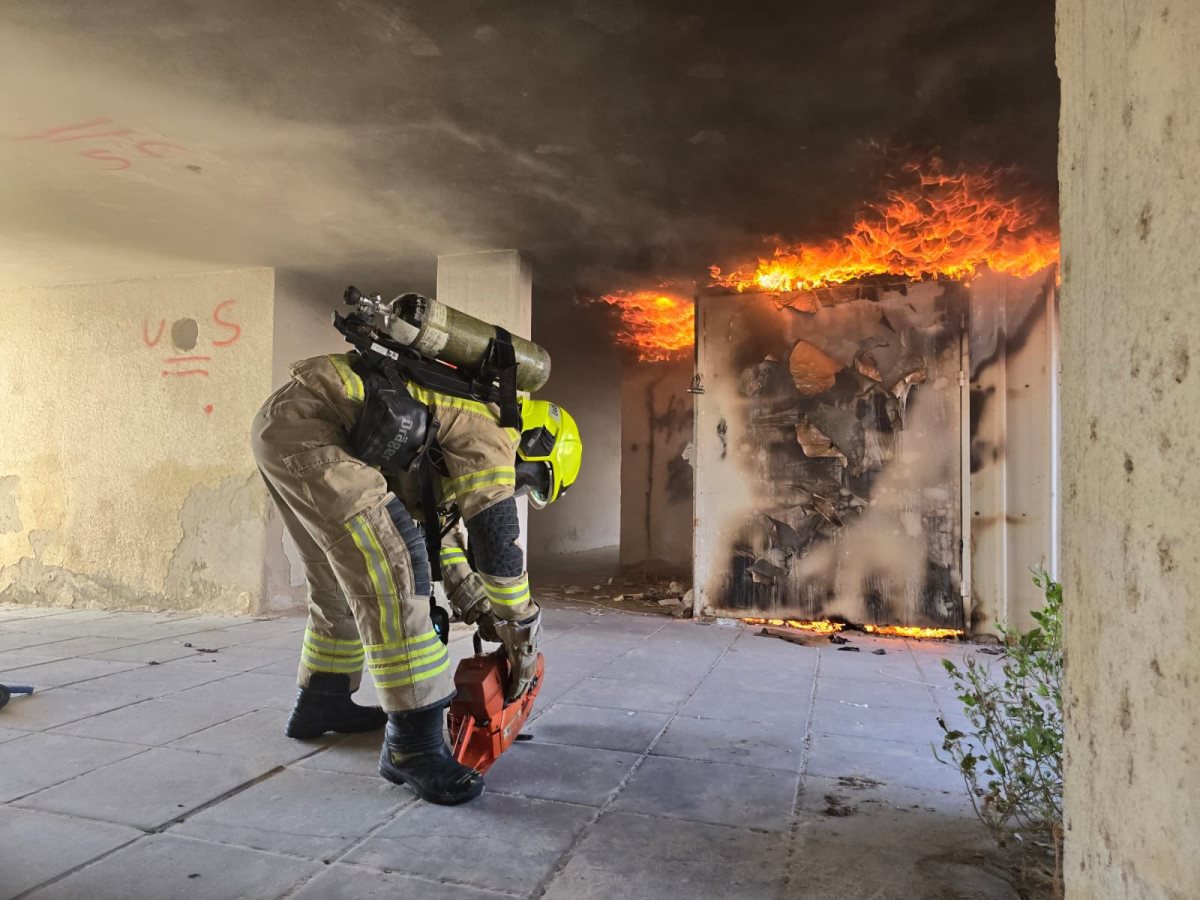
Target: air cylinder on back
<point>442,332</point>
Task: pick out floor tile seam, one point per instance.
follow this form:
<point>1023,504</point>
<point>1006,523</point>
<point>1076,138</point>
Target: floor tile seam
<point>427,879</point>
<point>569,852</point>
<point>133,668</point>
<point>608,661</point>
<point>723,826</point>
<point>174,831</point>
<point>936,696</point>
<point>904,785</point>
<point>113,637</point>
<point>793,831</point>
<point>782,831</point>
<point>143,749</point>
<point>162,826</point>
<point>82,865</point>
<point>721,762</point>
<point>135,702</point>
<point>406,804</point>
<point>877,705</point>
<point>841,734</point>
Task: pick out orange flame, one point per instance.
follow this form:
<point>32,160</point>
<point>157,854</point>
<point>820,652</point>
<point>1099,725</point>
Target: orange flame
<point>824,626</point>
<point>913,632</point>
<point>942,225</point>
<point>659,325</point>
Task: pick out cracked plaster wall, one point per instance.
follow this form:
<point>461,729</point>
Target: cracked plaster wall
<point>1128,163</point>
<point>124,482</point>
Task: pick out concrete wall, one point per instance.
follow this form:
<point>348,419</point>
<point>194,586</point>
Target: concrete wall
<point>586,379</point>
<point>126,478</point>
<point>1129,160</point>
<point>656,479</point>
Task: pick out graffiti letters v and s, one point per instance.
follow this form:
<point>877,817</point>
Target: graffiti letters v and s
<point>184,337</point>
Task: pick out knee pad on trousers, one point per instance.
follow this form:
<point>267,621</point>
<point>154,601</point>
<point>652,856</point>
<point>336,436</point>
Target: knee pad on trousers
<point>494,533</point>
<point>414,540</point>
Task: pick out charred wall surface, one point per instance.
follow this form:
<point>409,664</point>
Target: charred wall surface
<point>656,466</point>
<point>828,454</point>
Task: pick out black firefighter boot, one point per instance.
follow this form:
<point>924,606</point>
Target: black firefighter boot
<point>325,705</point>
<point>415,753</point>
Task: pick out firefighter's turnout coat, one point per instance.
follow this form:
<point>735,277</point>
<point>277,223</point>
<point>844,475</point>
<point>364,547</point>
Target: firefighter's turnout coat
<point>367,602</point>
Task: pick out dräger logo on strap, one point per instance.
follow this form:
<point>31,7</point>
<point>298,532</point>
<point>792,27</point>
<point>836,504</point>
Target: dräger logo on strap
<point>400,438</point>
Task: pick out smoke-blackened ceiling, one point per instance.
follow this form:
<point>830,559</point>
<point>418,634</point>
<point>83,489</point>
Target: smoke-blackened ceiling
<point>611,139</point>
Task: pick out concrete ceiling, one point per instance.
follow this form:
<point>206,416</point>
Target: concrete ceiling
<point>611,139</point>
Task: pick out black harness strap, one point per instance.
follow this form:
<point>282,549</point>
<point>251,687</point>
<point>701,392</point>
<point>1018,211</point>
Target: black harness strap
<point>502,361</point>
<point>433,526</point>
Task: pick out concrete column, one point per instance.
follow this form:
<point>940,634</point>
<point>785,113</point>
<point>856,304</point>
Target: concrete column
<point>496,286</point>
<point>1128,164</point>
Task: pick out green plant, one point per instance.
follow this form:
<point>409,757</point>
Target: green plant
<point>1011,755</point>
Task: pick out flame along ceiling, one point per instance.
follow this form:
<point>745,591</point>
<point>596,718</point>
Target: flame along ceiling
<point>930,224</point>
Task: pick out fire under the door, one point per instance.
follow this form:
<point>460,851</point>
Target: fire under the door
<point>834,493</point>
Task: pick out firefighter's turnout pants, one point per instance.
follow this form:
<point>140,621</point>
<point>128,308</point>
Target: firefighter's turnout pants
<point>367,602</point>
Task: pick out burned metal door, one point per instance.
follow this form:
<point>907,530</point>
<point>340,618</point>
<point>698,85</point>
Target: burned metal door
<point>828,455</point>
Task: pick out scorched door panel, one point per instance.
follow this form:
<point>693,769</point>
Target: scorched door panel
<point>829,454</point>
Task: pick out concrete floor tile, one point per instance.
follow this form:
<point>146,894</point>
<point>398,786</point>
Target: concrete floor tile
<point>684,675</point>
<point>166,866</point>
<point>159,651</point>
<point>354,883</point>
<point>25,659</point>
<point>63,672</point>
<point>870,720</point>
<point>885,852</point>
<point>584,641</point>
<point>38,761</point>
<point>257,735</point>
<point>557,772</point>
<point>711,792</point>
<point>357,754</point>
<point>779,745</point>
<point>627,695</point>
<point>641,858</point>
<point>298,811</point>
<point>243,657</point>
<point>46,709</point>
<point>243,692</point>
<point>892,762</point>
<point>37,846</point>
<point>284,665</point>
<point>875,690</point>
<point>717,698</point>
<point>148,790</point>
<point>600,727</point>
<point>150,723</point>
<point>86,646</point>
<point>838,797</point>
<point>515,843</point>
<point>10,734</point>
<point>153,681</point>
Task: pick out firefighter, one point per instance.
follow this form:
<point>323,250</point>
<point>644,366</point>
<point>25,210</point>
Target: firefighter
<point>367,562</point>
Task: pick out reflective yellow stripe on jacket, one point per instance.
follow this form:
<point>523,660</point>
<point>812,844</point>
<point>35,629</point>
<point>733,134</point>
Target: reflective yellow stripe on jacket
<point>509,595</point>
<point>454,556</point>
<point>404,662</point>
<point>477,481</point>
<point>323,654</point>
<point>380,573</point>
<point>350,380</point>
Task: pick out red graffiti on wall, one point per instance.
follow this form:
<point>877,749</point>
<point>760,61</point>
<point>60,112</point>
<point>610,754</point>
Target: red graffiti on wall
<point>124,146</point>
<point>185,336</point>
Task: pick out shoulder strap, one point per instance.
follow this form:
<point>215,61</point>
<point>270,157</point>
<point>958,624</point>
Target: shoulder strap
<point>502,363</point>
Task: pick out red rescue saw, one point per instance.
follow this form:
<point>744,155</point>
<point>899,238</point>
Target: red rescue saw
<point>483,724</point>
